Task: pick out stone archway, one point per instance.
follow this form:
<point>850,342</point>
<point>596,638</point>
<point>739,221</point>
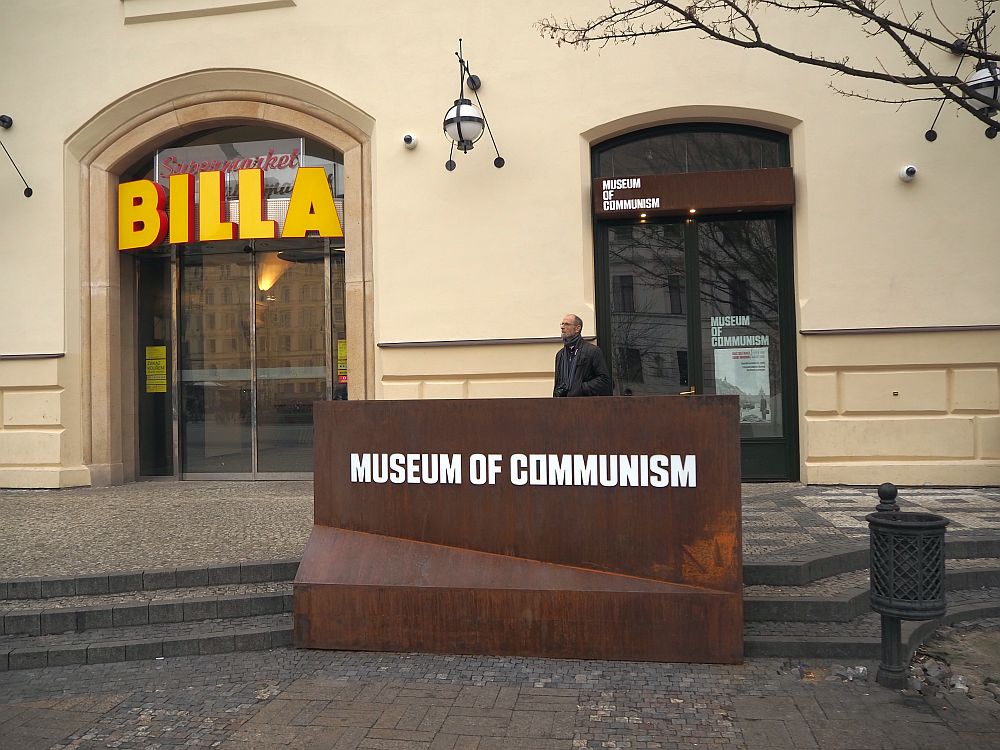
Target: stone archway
<point>136,125</point>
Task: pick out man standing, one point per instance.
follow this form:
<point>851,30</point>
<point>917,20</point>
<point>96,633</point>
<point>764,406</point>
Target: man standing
<point>580,366</point>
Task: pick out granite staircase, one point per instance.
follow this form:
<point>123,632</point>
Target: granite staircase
<point>145,614</point>
<point>811,606</point>
<point>817,606</point>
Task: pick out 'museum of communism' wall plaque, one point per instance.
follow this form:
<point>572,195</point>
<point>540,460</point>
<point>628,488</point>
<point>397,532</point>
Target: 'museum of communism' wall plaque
<point>592,528</point>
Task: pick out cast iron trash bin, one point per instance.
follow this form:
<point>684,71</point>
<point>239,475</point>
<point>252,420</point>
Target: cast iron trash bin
<point>907,575</point>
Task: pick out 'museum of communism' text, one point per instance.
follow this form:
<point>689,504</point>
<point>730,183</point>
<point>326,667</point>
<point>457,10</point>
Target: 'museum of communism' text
<point>572,469</point>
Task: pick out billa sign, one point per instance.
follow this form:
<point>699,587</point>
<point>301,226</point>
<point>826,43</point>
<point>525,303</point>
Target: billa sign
<point>201,181</point>
<point>604,528</point>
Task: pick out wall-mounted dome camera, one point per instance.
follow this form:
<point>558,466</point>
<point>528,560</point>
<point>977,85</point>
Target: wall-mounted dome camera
<point>908,173</point>
<point>410,141</point>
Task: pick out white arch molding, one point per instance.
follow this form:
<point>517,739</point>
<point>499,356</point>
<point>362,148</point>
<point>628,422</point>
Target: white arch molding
<point>760,118</point>
<point>136,125</point>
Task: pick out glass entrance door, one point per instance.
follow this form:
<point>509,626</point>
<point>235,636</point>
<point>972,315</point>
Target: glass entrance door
<point>257,328</point>
<point>216,394</point>
<point>649,306</point>
<point>705,306</point>
<point>291,355</point>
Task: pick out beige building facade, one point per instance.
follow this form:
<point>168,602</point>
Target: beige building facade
<point>451,284</point>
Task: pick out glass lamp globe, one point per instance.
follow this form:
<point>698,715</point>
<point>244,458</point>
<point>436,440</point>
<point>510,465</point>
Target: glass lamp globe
<point>985,80</point>
<point>465,118</point>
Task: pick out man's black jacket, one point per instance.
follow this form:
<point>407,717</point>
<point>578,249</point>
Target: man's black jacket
<point>591,377</point>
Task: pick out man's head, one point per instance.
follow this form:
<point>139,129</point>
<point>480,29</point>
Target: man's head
<point>570,326</point>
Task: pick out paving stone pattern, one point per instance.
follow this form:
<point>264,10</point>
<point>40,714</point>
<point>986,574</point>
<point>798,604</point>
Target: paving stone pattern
<point>289,698</point>
<point>311,699</point>
<point>146,525</point>
<point>787,522</point>
<point>151,525</point>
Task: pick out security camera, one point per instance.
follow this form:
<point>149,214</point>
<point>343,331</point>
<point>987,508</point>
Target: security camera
<point>908,173</point>
<point>410,141</point>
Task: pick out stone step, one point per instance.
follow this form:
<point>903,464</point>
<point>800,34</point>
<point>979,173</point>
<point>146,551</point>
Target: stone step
<point>138,597</point>
<point>41,617</point>
<point>784,570</point>
<point>814,607</point>
<point>147,580</point>
<point>860,637</point>
<point>856,639</point>
<point>789,569</point>
<point>843,597</point>
<point>146,642</point>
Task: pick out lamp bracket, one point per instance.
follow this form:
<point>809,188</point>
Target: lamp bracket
<point>474,83</point>
<point>5,122</point>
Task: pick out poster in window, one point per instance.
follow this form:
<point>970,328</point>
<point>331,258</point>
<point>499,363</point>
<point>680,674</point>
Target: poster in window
<point>156,369</point>
<point>746,373</point>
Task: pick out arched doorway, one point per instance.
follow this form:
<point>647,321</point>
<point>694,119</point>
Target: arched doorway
<point>137,125</point>
<point>236,339</point>
<point>693,268</point>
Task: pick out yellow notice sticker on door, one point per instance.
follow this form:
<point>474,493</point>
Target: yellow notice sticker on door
<point>342,361</point>
<point>156,369</point>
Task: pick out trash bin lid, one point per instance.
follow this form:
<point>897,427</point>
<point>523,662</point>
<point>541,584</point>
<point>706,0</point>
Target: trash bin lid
<point>901,519</point>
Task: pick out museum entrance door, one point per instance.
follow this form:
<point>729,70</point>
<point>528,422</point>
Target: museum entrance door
<point>705,306</point>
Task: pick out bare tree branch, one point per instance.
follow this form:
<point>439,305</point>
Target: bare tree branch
<point>738,23</point>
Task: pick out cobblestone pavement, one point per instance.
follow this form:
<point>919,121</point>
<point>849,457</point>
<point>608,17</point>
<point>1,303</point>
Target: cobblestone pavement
<point>151,525</point>
<point>299,699</point>
<point>788,520</point>
<point>310,699</point>
<point>162,524</point>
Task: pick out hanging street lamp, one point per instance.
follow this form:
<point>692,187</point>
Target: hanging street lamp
<point>465,123</point>
<point>985,81</point>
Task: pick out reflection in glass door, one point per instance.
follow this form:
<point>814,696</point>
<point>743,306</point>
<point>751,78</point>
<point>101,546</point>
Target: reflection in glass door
<point>260,331</point>
<point>740,335</point>
<point>648,305</point>
<point>215,363</point>
<point>292,354</point>
<point>733,337</point>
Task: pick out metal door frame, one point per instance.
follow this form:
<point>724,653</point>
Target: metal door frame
<point>692,273</point>
<point>175,301</point>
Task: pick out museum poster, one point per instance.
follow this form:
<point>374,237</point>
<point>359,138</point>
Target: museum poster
<point>742,367</point>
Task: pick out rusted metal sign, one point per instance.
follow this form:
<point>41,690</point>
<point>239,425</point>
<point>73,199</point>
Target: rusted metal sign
<point>601,528</point>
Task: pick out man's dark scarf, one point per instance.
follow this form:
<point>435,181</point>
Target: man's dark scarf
<point>567,369</point>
